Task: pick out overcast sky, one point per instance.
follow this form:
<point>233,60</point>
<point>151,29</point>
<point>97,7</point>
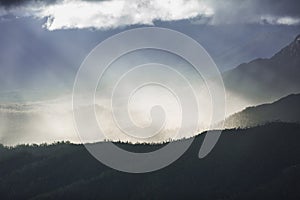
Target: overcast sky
<point>44,42</point>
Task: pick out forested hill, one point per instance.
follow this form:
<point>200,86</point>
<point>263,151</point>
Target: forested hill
<point>257,163</point>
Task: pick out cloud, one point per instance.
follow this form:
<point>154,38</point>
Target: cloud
<point>11,3</point>
<point>72,14</point>
<point>50,121</point>
<point>100,14</point>
<point>116,13</point>
<point>281,20</point>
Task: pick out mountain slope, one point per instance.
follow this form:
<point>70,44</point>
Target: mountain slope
<point>256,163</point>
<point>265,80</point>
<point>286,109</point>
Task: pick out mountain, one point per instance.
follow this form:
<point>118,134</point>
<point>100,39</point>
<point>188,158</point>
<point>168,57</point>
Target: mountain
<point>256,163</point>
<point>286,109</point>
<point>265,80</point>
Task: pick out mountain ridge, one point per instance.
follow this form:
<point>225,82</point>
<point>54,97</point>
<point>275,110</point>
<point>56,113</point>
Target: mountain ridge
<point>264,80</point>
<point>286,109</point>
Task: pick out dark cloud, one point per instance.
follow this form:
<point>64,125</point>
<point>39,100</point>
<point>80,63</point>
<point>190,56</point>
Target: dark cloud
<point>252,11</point>
<point>11,3</point>
<point>14,3</point>
<point>8,3</point>
<point>279,7</point>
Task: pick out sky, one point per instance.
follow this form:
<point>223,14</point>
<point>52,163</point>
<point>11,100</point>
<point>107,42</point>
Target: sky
<point>46,42</point>
<point>43,43</point>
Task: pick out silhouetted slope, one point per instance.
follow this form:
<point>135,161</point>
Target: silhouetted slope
<point>265,80</point>
<point>256,163</point>
<point>286,109</point>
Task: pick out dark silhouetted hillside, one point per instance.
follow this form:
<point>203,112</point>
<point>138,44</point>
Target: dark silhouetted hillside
<point>256,163</point>
<point>286,109</point>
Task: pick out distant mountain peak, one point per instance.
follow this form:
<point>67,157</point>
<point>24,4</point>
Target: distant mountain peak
<point>296,42</point>
<point>292,50</point>
<point>264,80</point>
<point>297,39</point>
